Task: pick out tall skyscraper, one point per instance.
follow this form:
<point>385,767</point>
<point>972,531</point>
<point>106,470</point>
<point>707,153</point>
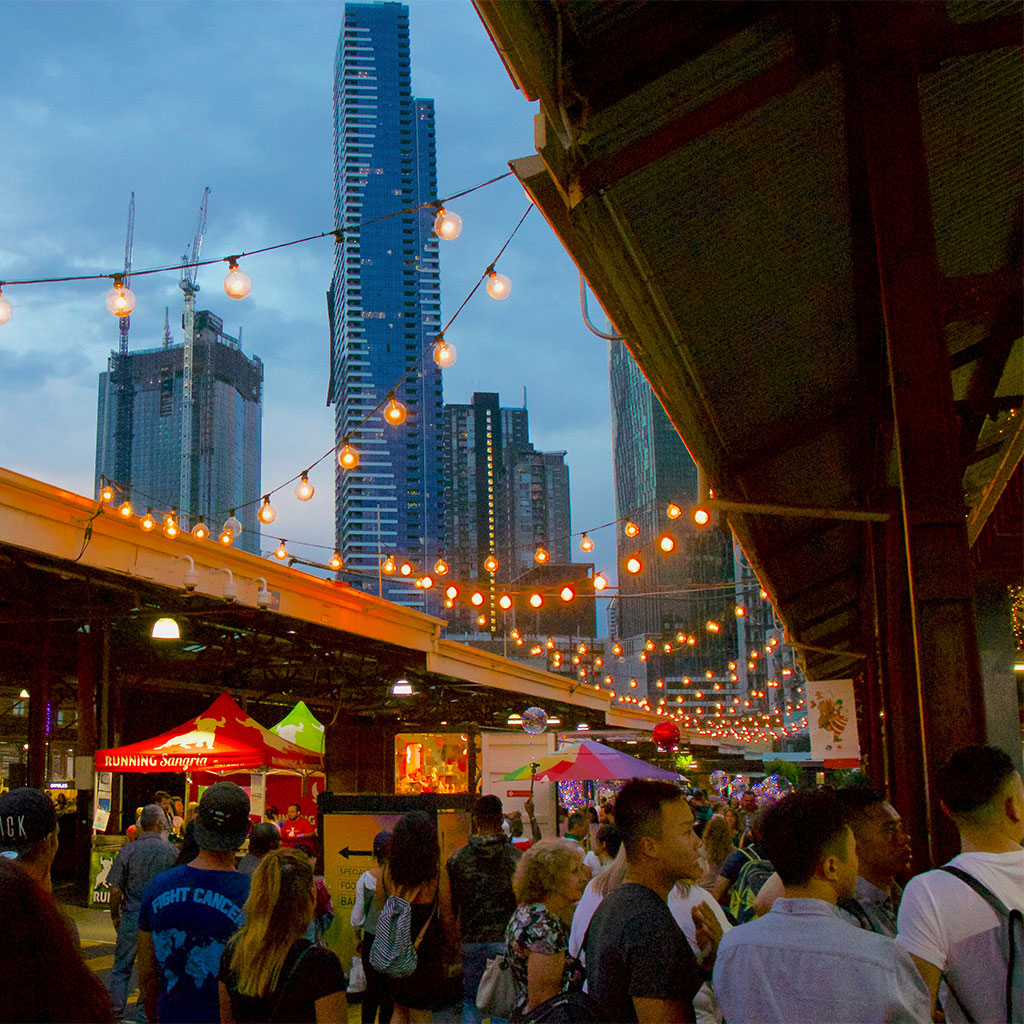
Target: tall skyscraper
<point>503,498</point>
<point>384,304</point>
<point>226,429</point>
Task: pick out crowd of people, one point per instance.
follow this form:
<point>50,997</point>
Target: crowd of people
<point>645,927</point>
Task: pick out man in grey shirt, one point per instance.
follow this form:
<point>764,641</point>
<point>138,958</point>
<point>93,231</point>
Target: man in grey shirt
<point>802,961</point>
<point>136,865</point>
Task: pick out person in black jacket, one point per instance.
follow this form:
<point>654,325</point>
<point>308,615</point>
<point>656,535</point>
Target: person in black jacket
<point>482,898</point>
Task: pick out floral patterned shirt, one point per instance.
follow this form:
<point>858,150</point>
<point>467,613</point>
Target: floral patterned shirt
<point>534,929</point>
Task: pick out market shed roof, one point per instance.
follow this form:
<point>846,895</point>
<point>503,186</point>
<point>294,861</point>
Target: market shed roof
<point>703,163</point>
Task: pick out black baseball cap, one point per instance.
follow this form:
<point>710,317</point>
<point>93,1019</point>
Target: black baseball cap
<point>27,816</point>
<point>222,818</point>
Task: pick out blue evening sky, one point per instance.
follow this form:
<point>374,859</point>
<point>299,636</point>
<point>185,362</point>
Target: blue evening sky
<point>164,98</point>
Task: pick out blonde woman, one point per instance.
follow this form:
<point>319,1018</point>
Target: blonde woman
<point>548,883</point>
<point>269,971</point>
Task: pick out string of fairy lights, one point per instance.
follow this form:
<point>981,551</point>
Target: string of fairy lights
<point>447,226</point>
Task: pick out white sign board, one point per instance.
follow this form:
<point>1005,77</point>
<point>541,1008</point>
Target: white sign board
<point>832,722</point>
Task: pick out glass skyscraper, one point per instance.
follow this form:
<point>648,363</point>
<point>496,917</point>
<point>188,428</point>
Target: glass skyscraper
<point>227,410</point>
<point>384,304</point>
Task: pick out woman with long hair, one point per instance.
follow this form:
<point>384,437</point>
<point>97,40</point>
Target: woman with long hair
<point>269,971</point>
<point>548,883</point>
<point>717,846</point>
<point>413,872</point>
<point>45,977</point>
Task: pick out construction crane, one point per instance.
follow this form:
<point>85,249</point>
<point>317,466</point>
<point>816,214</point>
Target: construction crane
<point>124,390</point>
<point>189,286</point>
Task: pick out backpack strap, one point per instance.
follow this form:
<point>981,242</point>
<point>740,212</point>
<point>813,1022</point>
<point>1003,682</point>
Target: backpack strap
<point>1003,911</point>
<point>287,981</point>
<point>854,909</point>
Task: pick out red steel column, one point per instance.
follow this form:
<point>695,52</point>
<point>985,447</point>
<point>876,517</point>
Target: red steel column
<point>944,655</point>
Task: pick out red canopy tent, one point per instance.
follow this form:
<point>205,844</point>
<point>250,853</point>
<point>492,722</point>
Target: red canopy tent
<point>222,738</point>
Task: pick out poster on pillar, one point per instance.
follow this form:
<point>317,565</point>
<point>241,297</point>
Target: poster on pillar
<point>832,722</point>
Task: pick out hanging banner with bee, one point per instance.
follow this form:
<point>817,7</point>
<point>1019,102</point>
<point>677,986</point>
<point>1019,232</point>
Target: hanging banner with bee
<point>832,721</point>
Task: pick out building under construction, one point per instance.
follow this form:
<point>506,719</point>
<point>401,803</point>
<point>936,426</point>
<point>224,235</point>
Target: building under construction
<point>227,411</point>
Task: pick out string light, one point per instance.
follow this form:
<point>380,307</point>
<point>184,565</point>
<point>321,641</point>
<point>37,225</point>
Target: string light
<point>673,511</point>
<point>451,593</point>
<point>667,543</point>
<point>267,513</point>
<point>147,522</point>
<point>388,566</point>
<point>125,509</point>
<point>238,283</point>
<point>227,538</point>
<point>395,412</point>
<point>740,611</point>
<point>281,553</point>
<point>599,581</point>
<point>6,309</point>
<point>476,599</point>
<point>586,544</point>
<point>447,225</point>
<point>491,564</point>
<point>426,582</point>
<point>633,564</point>
<point>567,594</point>
<point>441,569</point>
<point>405,569</point>
<point>120,298</point>
<point>630,529</point>
<point>444,352</point>
<point>200,531</point>
<point>701,516</point>
<point>714,627</point>
<point>232,525</point>
<point>541,555</point>
<point>536,600</point>
<point>171,529</point>
<point>498,285</point>
<point>504,602</point>
<point>348,457</point>
<point>335,561</point>
<point>304,490</point>
<point>106,491</point>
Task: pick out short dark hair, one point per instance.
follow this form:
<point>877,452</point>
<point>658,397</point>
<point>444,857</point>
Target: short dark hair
<point>263,838</point>
<point>578,818</point>
<point>487,811</point>
<point>271,811</point>
<point>161,795</point>
<point>297,807</point>
<point>855,801</point>
<point>611,837</point>
<point>972,777</point>
<point>414,853</point>
<point>638,810</point>
<point>798,831</point>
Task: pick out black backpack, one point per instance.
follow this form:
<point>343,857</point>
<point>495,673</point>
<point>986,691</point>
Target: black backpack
<point>1013,931</point>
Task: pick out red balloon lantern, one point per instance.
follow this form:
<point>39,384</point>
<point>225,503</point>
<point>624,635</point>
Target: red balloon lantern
<point>666,734</point>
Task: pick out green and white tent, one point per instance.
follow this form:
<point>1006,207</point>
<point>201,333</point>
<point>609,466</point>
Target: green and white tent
<point>301,728</point>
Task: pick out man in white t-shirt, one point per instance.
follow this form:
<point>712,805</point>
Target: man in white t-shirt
<point>577,830</point>
<point>956,938</point>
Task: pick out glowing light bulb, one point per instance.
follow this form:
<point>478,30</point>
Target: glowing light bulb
<point>586,544</point>
<point>650,645</point>
<point>441,567</point>
<point>281,552</point>
<point>238,283</point>
<point>498,286</point>
<point>232,525</point>
<point>617,649</point>
<point>304,490</point>
<point>599,581</point>
<point>536,600</point>
<point>673,511</point>
<point>541,555</point>
<point>335,561</point>
<point>6,309</point>
<point>107,493</point>
<point>267,513</point>
<point>125,509</point>
<point>451,592</point>
<point>481,620</point>
<point>200,531</point>
<point>630,529</point>
<point>633,683</point>
<point>567,594</point>
<point>120,299</point>
<point>504,602</point>
<point>388,566</point>
<point>701,516</point>
<point>447,225</point>
<point>714,627</point>
<point>227,538</point>
<point>491,564</point>
<point>147,522</point>
<point>634,565</point>
<point>426,582</point>
<point>667,543</point>
<point>395,413</point>
<point>171,530</point>
<point>405,569</point>
<point>348,457</point>
<point>444,353</point>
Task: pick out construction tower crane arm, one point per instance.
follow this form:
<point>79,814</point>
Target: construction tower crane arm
<point>190,270</point>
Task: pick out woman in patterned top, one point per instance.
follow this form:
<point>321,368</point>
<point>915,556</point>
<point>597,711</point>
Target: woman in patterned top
<point>549,880</point>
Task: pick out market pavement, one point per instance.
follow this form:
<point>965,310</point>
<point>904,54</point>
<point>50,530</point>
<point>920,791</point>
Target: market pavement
<point>99,938</point>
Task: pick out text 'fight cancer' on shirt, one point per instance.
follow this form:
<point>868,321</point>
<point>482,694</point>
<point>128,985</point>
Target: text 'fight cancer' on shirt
<point>191,914</point>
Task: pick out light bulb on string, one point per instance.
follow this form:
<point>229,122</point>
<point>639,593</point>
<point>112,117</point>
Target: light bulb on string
<point>125,509</point>
<point>444,352</point>
<point>491,564</point>
<point>673,511</point>
<point>388,566</point>
<point>171,529</point>
<point>267,513</point>
<point>147,522</point>
<point>6,309</point>
<point>447,225</point>
<point>405,569</point>
<point>451,592</point>
<point>567,594</point>
<point>281,552</point>
<point>600,582</point>
<point>227,538</point>
<point>505,602</point>
<point>238,283</point>
<point>586,544</point>
<point>395,412</point>
<point>541,555</point>
<point>667,543</point>
<point>630,529</point>
<point>304,490</point>
<point>701,516</point>
<point>200,531</point>
<point>106,491</point>
<point>120,298</point>
<point>536,600</point>
<point>335,561</point>
<point>425,582</point>
<point>634,565</point>
<point>232,525</point>
<point>348,457</point>
<point>498,285</point>
<point>476,599</point>
<point>441,567</point>
<point>171,519</point>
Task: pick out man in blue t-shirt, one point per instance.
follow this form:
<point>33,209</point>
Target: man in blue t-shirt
<point>188,913</point>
